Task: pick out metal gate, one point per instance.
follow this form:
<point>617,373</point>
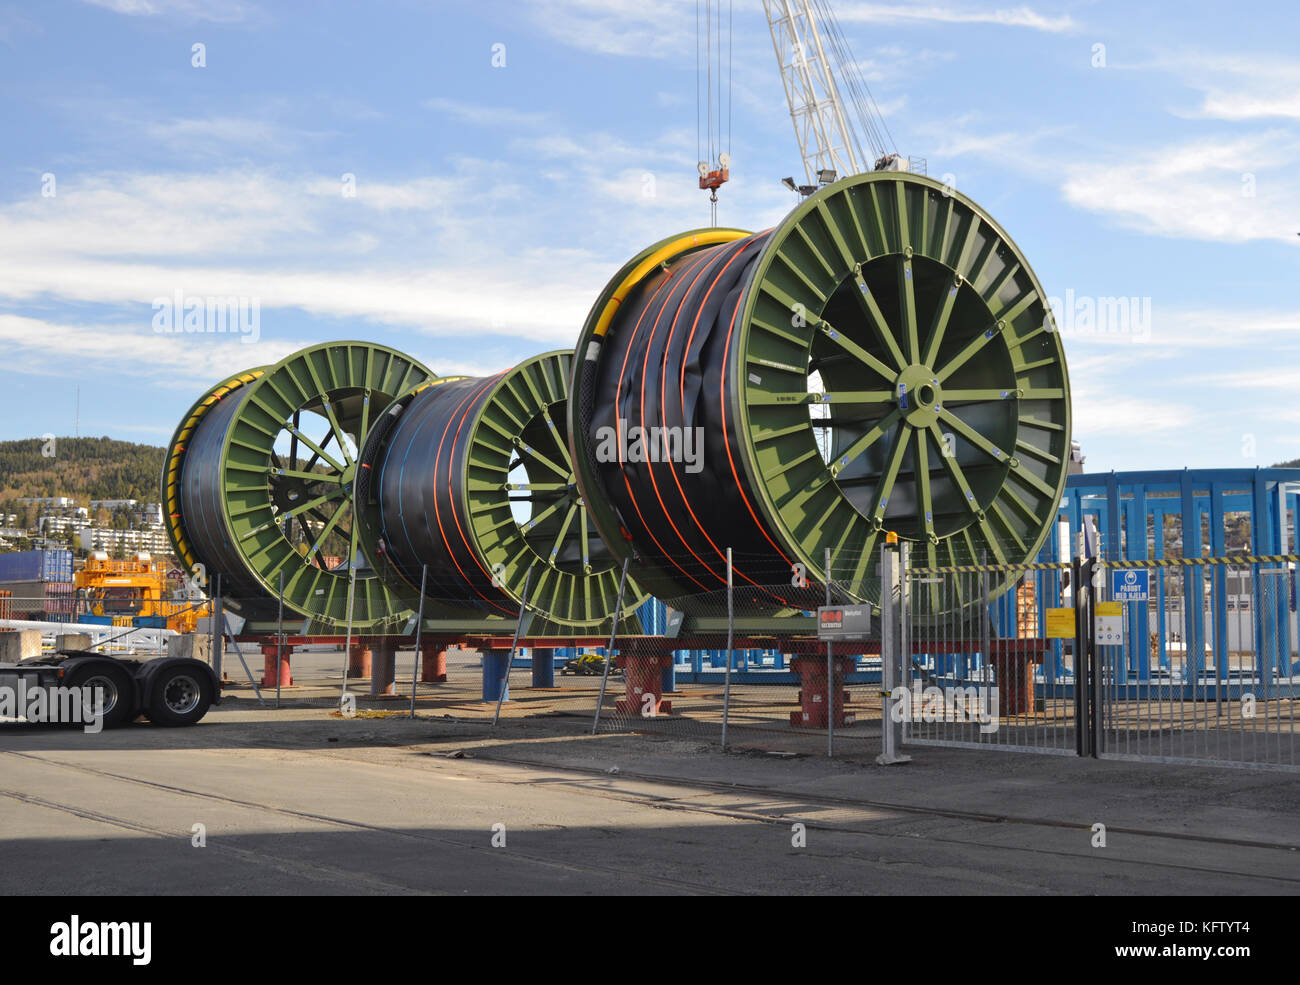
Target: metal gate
<point>1206,670</point>
<point>1176,660</point>
<point>985,675</point>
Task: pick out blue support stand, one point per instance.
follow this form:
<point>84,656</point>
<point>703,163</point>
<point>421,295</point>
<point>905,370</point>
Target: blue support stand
<point>494,674</point>
<point>543,668</point>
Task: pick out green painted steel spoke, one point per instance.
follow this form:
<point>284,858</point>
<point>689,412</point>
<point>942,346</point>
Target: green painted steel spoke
<point>865,442</point>
<point>761,398</point>
<point>856,351</point>
<point>544,460</point>
<point>586,544</point>
<point>312,504</point>
<point>564,529</point>
<point>951,396</point>
<point>293,440</point>
<point>880,498</point>
<point>318,449</point>
<point>972,347</point>
<point>955,470</point>
<point>555,435</point>
<point>333,522</point>
<point>364,429</point>
<point>940,326</point>
<point>329,436</point>
<point>307,476</point>
<point>877,320</point>
<point>334,426</point>
<point>537,486</point>
<point>924,508</point>
<point>990,535</point>
<point>907,302</point>
<point>973,436</point>
<point>534,521</point>
<point>864,562</point>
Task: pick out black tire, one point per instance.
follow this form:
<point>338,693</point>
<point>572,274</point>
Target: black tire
<point>179,696</point>
<point>118,687</point>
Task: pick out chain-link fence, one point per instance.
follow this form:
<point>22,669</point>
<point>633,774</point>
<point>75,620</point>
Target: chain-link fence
<point>1053,658</point>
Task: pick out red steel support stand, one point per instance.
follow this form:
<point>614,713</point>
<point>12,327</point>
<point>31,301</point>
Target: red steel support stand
<point>433,664</point>
<point>642,675</point>
<point>358,661</point>
<point>271,674</point>
<point>383,677</point>
<point>1015,680</point>
<point>812,693</point>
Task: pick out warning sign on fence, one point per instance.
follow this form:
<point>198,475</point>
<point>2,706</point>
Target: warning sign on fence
<point>1060,624</point>
<point>1110,623</point>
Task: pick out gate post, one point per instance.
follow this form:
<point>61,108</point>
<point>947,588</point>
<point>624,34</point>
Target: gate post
<point>1082,666</point>
<point>1092,658</point>
<point>891,655</point>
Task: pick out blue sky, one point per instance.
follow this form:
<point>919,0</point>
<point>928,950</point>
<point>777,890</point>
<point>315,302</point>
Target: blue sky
<point>492,203</point>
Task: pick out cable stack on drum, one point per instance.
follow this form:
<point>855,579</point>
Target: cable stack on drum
<point>466,486</point>
<point>883,360</point>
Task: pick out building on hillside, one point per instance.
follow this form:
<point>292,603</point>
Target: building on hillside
<point>127,541</point>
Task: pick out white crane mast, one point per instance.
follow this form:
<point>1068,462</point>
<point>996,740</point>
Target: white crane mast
<point>826,141</point>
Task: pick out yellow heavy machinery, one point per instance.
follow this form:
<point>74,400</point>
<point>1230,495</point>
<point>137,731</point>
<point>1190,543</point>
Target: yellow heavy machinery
<point>136,592</point>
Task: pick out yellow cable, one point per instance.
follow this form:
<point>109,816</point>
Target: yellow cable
<point>655,259</point>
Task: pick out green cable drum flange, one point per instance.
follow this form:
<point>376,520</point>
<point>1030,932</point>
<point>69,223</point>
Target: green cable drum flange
<point>883,360</point>
<point>261,489</point>
<point>469,487</point>
<point>173,464</point>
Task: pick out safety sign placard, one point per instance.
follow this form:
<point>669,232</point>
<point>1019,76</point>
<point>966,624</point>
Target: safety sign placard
<point>1060,624</point>
<point>1109,623</point>
<point>1130,584</point>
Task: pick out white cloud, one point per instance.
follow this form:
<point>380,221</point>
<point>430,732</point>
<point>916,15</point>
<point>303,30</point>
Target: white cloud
<point>37,345</point>
<point>202,137</point>
<point>900,13</point>
<point>209,10</point>
<point>663,29</point>
<point>1231,191</point>
<point>1235,86</point>
<point>489,116</point>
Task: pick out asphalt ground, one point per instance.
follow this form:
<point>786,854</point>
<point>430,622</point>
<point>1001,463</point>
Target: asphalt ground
<point>301,801</point>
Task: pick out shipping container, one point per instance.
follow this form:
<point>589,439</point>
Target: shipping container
<point>41,599</point>
<point>54,564</point>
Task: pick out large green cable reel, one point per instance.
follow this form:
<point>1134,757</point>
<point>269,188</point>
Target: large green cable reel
<point>259,475</point>
<point>469,492</point>
<point>885,362</point>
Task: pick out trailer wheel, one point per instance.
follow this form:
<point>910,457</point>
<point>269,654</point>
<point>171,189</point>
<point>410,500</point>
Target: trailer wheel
<point>179,696</point>
<point>117,686</point>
